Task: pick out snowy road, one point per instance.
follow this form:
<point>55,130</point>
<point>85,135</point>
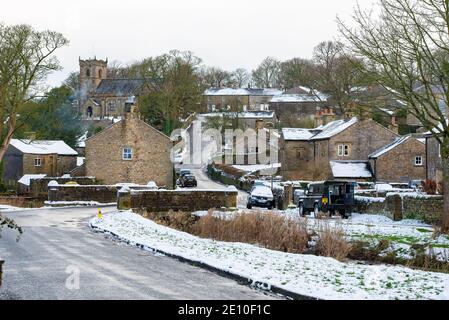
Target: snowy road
<point>58,246</point>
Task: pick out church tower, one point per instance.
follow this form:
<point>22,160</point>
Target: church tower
<point>92,72</point>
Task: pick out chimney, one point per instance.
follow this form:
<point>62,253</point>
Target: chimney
<point>131,109</point>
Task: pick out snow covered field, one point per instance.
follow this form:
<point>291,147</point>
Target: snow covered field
<point>308,275</point>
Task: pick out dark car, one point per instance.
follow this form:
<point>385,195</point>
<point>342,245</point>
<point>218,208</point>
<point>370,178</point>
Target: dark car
<point>261,196</point>
<point>188,181</point>
<point>331,196</point>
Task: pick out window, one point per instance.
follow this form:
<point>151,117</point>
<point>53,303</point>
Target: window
<point>418,161</point>
<point>100,73</point>
<point>127,154</point>
<point>112,106</point>
<point>343,150</point>
<point>87,73</point>
<point>38,162</point>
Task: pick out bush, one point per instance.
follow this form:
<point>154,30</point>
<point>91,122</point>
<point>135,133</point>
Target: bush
<point>429,187</point>
<point>265,229</point>
<point>332,242</point>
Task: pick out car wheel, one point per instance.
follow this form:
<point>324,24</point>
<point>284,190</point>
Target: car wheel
<point>316,209</point>
<point>301,210</point>
<point>248,206</point>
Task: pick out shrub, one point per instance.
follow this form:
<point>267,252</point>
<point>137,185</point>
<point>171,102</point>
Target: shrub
<point>332,242</point>
<point>265,229</point>
<point>429,187</point>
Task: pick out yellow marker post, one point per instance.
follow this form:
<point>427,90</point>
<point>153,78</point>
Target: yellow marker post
<point>100,216</point>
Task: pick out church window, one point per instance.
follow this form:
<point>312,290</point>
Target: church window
<point>87,73</point>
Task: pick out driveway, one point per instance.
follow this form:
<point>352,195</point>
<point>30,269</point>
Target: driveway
<point>59,257</point>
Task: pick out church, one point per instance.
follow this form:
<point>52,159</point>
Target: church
<point>102,97</point>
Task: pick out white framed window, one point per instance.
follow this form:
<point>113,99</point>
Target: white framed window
<point>38,162</point>
<point>418,161</point>
<point>343,150</point>
<point>127,154</point>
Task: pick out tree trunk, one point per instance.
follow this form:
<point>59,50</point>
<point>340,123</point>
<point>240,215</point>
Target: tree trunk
<point>445,215</point>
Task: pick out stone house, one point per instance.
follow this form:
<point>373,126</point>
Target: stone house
<point>306,153</point>
<point>37,157</point>
<point>400,161</point>
<point>247,120</point>
<point>244,99</point>
<point>299,102</point>
<point>130,151</point>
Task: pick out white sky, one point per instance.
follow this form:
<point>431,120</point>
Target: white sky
<point>224,33</point>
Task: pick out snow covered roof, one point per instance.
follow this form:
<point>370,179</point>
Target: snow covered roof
<point>241,92</point>
<point>351,169</point>
<point>297,134</point>
<point>26,179</point>
<point>43,147</point>
<point>296,98</point>
<point>389,147</point>
<point>243,115</point>
<point>333,128</point>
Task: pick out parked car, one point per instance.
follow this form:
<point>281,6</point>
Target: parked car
<point>188,181</point>
<point>182,173</point>
<point>261,196</point>
<point>330,196</point>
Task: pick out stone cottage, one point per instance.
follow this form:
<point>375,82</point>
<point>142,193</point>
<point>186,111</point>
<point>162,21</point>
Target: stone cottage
<point>130,151</point>
<point>37,157</point>
<point>306,153</point>
<point>245,99</point>
<point>400,161</point>
<point>299,102</point>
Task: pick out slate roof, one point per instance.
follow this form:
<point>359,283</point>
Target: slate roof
<point>120,87</point>
<point>390,146</point>
<point>322,132</point>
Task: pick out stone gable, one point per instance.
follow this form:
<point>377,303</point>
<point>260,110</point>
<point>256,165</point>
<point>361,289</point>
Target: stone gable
<point>150,154</point>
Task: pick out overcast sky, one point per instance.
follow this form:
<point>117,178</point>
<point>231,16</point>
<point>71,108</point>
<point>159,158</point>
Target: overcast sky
<point>224,33</point>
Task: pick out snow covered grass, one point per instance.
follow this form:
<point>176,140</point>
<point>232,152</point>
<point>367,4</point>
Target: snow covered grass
<point>308,275</point>
<point>404,237</point>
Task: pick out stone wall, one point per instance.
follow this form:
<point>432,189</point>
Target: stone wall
<point>21,202</point>
<point>183,200</point>
<point>102,194</point>
<point>39,187</point>
<point>397,207</point>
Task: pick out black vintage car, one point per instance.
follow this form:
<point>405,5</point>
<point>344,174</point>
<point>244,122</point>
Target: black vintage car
<point>188,181</point>
<point>329,197</point>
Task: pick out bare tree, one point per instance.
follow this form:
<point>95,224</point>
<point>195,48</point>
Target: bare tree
<point>215,77</point>
<point>406,45</point>
<point>240,77</point>
<point>296,72</point>
<point>26,58</point>
<point>267,73</point>
<point>335,72</point>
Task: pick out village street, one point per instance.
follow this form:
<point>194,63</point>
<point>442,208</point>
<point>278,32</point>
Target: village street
<point>58,245</point>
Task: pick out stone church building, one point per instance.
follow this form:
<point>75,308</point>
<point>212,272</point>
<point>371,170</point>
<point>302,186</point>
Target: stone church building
<point>102,97</point>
